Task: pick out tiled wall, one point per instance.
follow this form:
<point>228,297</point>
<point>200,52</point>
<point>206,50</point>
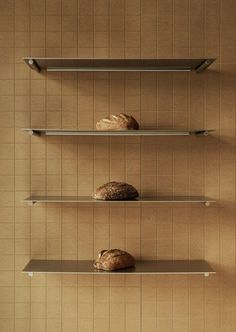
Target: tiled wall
<point>71,166</point>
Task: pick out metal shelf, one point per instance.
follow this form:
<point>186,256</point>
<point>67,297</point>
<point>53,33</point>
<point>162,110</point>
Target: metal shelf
<point>111,65</point>
<point>87,199</point>
<point>187,267</point>
<point>62,132</point>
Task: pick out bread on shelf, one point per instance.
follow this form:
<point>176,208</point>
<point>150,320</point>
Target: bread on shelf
<point>117,122</point>
<point>116,191</point>
<point>114,259</point>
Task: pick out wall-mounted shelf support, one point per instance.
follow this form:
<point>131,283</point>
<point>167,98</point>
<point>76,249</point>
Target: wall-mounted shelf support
<point>32,203</point>
<point>32,200</point>
<point>151,132</point>
<point>85,267</point>
<point>113,65</point>
<point>206,63</point>
<point>34,65</point>
<point>202,132</point>
<point>34,132</point>
<point>206,274</point>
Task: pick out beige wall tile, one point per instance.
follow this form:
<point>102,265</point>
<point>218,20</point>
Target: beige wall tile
<point>195,166</point>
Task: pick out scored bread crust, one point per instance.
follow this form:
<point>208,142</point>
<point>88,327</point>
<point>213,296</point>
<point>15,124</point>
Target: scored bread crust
<point>114,259</point>
<point>115,191</point>
<point>118,122</point>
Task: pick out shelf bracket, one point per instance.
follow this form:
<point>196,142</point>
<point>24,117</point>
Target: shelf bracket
<point>30,274</point>
<point>206,274</point>
<point>32,203</point>
<point>34,133</point>
<point>202,133</point>
<point>203,65</point>
<point>33,65</point>
<point>207,203</point>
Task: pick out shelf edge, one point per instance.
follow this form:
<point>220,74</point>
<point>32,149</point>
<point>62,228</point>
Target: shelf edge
<point>128,133</point>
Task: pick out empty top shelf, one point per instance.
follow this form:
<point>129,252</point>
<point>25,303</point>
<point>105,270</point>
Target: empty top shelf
<point>141,267</point>
<point>60,64</point>
<point>88,199</point>
<point>151,132</point>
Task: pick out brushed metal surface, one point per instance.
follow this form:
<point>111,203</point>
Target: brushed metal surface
<point>89,199</point>
<point>73,64</point>
<point>142,267</point>
<point>151,132</point>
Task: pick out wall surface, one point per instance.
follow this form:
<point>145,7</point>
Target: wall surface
<point>76,166</point>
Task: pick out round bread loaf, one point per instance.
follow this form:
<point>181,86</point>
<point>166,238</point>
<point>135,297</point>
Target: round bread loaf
<point>118,122</point>
<point>116,191</point>
<point>114,259</point>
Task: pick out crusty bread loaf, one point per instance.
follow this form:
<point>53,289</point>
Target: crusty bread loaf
<point>114,259</point>
<point>115,191</point>
<point>118,122</point>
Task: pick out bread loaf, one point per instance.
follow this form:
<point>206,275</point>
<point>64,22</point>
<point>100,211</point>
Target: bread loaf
<point>116,191</point>
<point>118,122</point>
<point>114,259</point>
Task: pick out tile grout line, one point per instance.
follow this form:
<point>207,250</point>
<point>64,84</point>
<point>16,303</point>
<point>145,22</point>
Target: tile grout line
<point>30,230</point>
<point>189,165</point>
<point>125,165</point>
<point>93,146</point>
<point>140,177</point>
<point>46,207</point>
<point>220,109</point>
<point>14,115</point>
<point>189,171</point>
<point>77,182</point>
<point>109,161</point>
<point>204,165</point>
<point>61,165</point>
<point>173,162</point>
